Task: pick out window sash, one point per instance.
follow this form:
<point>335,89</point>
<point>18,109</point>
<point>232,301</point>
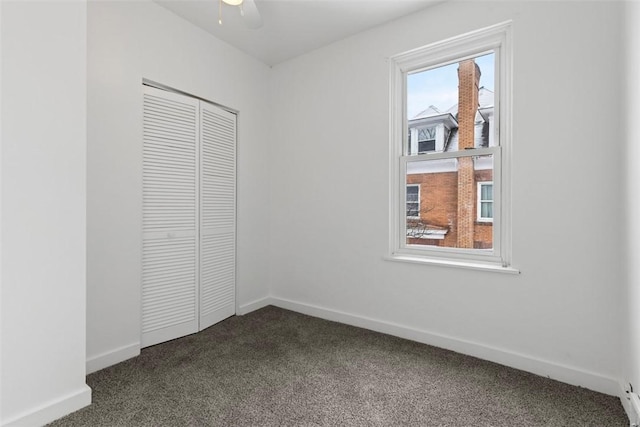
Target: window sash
<point>493,255</point>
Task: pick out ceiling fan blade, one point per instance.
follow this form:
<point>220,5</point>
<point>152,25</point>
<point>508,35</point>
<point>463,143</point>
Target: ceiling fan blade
<point>252,18</point>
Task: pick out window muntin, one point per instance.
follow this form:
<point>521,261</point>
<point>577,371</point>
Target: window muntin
<point>490,144</point>
<point>426,134</point>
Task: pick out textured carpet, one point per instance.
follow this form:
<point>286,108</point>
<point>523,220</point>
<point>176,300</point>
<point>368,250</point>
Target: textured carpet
<point>274,367</point>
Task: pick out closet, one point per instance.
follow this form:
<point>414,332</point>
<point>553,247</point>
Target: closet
<point>188,215</point>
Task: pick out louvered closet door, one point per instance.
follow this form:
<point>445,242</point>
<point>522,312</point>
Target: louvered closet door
<point>170,216</point>
<point>217,214</point>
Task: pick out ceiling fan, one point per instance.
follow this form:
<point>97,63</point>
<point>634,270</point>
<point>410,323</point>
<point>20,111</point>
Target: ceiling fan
<point>248,10</point>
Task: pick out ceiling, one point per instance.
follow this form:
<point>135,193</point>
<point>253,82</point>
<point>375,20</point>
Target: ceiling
<point>292,27</point>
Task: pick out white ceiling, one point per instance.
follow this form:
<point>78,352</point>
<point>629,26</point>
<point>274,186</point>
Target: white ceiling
<point>292,27</point>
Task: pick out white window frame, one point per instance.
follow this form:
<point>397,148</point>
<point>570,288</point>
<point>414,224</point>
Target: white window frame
<point>479,216</point>
<point>407,201</point>
<point>496,39</point>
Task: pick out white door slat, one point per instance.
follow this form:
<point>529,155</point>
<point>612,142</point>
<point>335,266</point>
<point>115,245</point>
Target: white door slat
<point>153,250</point>
<point>161,105</point>
<point>161,302</point>
<point>178,314</point>
<point>172,124</point>
<point>153,112</point>
<point>168,132</point>
<point>167,287</point>
<point>159,139</point>
<point>162,101</point>
<point>168,150</point>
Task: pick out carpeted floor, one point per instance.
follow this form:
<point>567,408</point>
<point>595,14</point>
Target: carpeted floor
<point>274,367</point>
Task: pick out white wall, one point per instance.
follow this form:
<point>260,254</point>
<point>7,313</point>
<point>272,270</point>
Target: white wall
<point>129,41</point>
<point>43,211</point>
<point>631,321</point>
<point>329,194</point>
<point>320,191</point>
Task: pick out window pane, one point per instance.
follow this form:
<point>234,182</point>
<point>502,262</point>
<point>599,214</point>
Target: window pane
<point>413,193</point>
<point>424,146</point>
<point>426,133</point>
<point>413,209</point>
<point>458,99</point>
<point>447,216</point>
<point>487,210</point>
<point>487,192</point>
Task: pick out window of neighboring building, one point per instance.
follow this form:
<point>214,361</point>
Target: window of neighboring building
<point>426,139</point>
<point>462,85</point>
<point>413,201</point>
<point>485,201</point>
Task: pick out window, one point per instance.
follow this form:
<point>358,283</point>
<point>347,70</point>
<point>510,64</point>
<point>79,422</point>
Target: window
<point>426,139</point>
<point>485,201</point>
<point>413,201</point>
<point>461,85</point>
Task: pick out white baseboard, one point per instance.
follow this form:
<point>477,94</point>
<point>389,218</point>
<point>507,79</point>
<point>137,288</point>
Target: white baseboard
<point>253,306</point>
<point>121,354</point>
<point>563,373</point>
<point>112,357</point>
<point>634,416</point>
<point>53,410</point>
<point>631,404</point>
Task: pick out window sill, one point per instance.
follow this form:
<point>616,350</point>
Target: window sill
<point>469,265</point>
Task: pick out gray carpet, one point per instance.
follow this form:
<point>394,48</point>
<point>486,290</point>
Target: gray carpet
<point>274,367</point>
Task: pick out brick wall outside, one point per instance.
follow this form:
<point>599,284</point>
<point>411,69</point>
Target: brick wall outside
<point>483,235</point>
<point>438,203</point>
<point>468,81</point>
<point>466,205</point>
<point>439,206</point>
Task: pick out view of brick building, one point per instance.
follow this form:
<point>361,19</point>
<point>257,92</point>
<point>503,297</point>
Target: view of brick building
<point>450,200</point>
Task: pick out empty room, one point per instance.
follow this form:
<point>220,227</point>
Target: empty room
<point>319,212</point>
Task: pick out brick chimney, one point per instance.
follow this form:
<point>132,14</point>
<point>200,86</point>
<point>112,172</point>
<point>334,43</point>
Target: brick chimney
<point>468,83</point>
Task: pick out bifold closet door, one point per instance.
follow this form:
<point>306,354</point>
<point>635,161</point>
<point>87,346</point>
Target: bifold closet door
<point>189,215</point>
<point>217,214</point>
<point>170,216</point>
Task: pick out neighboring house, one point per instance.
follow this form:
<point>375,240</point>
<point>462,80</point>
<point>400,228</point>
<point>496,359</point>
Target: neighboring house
<point>447,205</point>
